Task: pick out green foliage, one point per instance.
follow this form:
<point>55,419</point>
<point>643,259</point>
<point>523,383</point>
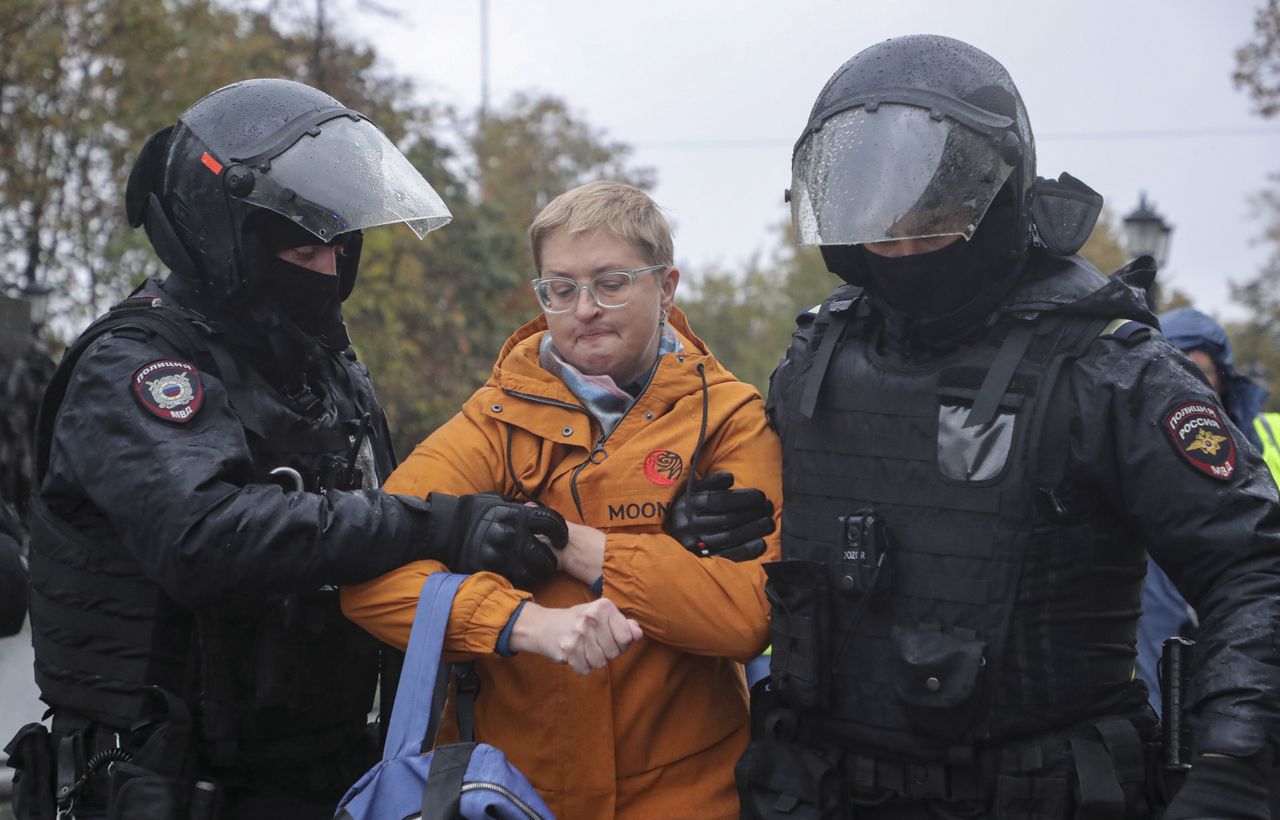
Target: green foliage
<point>747,317</point>
<point>1258,61</point>
<point>84,82</point>
<point>1256,339</point>
<point>534,149</point>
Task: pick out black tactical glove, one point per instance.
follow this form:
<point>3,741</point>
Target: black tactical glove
<point>1224,788</point>
<point>486,531</point>
<point>711,519</point>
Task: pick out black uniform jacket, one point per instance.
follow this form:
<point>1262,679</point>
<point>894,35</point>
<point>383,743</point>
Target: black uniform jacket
<point>1205,508</point>
<point>188,504</point>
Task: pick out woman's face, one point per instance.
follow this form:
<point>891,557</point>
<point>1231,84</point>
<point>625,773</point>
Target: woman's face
<point>618,342</point>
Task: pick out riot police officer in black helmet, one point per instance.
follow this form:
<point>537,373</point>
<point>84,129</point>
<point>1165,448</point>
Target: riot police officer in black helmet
<point>982,438</point>
<point>208,457</point>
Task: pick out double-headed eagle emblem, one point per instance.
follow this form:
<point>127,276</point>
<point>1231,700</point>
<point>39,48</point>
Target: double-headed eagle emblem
<point>1207,443</point>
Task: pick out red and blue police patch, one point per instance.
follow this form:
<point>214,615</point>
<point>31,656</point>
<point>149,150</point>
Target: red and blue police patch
<point>169,389</point>
<point>1200,435</point>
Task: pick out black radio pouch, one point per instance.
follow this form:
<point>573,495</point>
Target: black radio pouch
<point>31,755</point>
<point>801,630</point>
<point>939,679</point>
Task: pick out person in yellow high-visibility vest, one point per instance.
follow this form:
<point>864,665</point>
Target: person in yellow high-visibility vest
<point>1267,426</point>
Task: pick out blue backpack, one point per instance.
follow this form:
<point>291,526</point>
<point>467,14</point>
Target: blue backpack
<point>461,780</point>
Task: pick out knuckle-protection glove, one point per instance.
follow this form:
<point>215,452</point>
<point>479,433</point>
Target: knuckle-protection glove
<point>488,532</point>
<point>1227,788</point>
<point>710,518</point>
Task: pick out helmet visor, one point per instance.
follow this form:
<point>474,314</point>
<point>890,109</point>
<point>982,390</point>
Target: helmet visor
<point>892,173</point>
<point>345,175</point>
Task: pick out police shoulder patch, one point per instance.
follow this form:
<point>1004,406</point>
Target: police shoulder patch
<point>169,389</point>
<point>1201,436</point>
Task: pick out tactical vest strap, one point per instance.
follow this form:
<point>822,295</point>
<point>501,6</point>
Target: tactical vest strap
<point>1014,347</point>
<point>83,623</point>
<point>1100,797</point>
<point>874,779</point>
<point>311,441</point>
<point>105,664</point>
<point>835,315</point>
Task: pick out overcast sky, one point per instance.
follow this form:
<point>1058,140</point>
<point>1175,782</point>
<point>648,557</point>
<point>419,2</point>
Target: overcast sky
<point>1129,96</point>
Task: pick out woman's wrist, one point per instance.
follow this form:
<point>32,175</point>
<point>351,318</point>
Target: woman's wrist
<point>526,629</point>
<point>583,558</point>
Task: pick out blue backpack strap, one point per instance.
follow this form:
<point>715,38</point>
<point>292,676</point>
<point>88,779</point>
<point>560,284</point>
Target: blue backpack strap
<point>416,694</point>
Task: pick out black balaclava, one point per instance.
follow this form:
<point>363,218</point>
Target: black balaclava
<point>307,298</point>
<point>936,300</point>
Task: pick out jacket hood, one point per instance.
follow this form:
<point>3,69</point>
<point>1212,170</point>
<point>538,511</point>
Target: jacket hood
<point>1071,284</point>
<point>1188,329</point>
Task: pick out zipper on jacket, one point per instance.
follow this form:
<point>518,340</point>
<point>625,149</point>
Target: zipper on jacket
<point>591,459</point>
<point>599,448</point>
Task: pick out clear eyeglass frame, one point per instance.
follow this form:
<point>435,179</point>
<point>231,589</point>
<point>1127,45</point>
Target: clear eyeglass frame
<point>565,301</point>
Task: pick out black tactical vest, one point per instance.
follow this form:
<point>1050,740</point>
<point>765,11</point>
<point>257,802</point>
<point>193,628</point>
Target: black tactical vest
<point>933,593</point>
<point>255,670</point>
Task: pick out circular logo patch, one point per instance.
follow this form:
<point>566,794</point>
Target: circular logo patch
<point>169,389</point>
<point>1201,436</point>
<point>663,467</point>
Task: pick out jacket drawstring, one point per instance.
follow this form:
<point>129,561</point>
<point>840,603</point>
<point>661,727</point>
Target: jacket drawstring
<point>702,435</point>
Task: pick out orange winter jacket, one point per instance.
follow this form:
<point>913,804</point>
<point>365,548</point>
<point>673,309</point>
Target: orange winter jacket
<point>657,732</point>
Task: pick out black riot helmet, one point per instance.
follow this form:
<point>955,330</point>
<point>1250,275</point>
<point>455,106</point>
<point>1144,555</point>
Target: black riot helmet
<point>274,153</point>
<point>915,137</point>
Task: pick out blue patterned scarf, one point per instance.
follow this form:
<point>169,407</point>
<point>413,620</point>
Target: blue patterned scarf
<point>600,394</point>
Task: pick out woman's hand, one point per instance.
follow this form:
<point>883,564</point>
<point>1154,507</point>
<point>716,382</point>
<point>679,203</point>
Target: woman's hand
<point>583,556</point>
<point>586,636</point>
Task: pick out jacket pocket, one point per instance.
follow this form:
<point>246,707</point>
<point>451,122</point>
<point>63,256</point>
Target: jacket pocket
<point>787,780</point>
<point>939,679</point>
<point>976,454</point>
<point>801,631</point>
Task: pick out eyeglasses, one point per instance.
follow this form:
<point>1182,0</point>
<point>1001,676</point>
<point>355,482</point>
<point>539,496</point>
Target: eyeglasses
<point>611,289</point>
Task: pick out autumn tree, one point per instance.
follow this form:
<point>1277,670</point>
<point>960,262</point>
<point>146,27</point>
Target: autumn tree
<point>747,316</point>
<point>84,82</point>
<point>1257,338</point>
<point>1258,61</point>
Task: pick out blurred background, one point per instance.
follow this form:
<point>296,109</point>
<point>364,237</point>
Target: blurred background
<point>1169,108</point>
<point>504,104</point>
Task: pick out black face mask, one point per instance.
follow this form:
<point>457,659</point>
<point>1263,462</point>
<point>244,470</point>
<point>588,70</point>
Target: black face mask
<point>308,298</point>
<point>942,295</point>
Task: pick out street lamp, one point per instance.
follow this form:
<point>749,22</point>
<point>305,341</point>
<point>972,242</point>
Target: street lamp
<point>37,296</point>
<point>1146,233</point>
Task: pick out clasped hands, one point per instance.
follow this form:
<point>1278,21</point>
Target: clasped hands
<point>526,543</point>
